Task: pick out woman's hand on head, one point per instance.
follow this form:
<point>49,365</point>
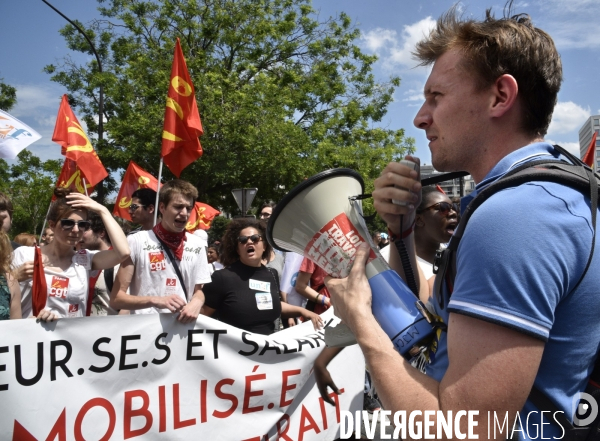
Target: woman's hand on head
<point>81,201</point>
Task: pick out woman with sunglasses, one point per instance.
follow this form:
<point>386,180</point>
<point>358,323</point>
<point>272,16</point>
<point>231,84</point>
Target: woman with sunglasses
<point>245,294</point>
<point>67,271</point>
<point>435,223</point>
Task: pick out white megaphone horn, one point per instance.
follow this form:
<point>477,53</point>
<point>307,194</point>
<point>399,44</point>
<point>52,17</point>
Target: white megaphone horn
<point>322,220</point>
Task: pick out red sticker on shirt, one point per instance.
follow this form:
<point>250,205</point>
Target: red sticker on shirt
<point>333,248</point>
<point>73,308</point>
<point>59,287</point>
<point>171,282</point>
<point>157,261</point>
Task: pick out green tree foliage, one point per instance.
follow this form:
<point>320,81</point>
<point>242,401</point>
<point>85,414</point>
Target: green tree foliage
<point>29,183</point>
<point>217,228</point>
<point>281,94</point>
<point>8,96</point>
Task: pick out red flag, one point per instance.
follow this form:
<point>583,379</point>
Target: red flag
<point>70,177</point>
<point>201,217</point>
<point>39,290</point>
<point>591,151</point>
<point>135,178</point>
<point>76,145</point>
<point>180,143</point>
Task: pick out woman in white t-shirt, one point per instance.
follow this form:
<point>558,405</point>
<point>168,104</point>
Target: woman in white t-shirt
<point>67,271</point>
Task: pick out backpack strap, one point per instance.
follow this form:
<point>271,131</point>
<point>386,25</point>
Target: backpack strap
<point>175,264</point>
<point>578,176</point>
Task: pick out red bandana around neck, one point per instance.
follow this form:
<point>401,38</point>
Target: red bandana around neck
<point>174,241</point>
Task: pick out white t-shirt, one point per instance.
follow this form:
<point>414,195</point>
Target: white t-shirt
<point>154,274</point>
<point>67,291</point>
<point>426,267</point>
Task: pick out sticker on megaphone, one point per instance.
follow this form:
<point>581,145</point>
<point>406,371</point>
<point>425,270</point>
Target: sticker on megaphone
<point>334,246</point>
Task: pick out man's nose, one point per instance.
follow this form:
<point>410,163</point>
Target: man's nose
<point>423,118</point>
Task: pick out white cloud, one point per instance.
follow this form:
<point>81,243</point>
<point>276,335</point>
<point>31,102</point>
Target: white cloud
<point>394,49</point>
<point>571,147</point>
<point>567,117</point>
<point>377,38</point>
<point>411,35</point>
<point>32,99</point>
<point>569,23</point>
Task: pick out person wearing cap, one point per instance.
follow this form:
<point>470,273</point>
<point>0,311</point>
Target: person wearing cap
<point>385,240</point>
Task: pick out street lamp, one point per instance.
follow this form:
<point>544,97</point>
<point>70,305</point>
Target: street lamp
<point>101,91</point>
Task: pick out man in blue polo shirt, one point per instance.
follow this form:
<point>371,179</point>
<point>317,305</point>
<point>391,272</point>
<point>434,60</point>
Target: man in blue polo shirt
<point>515,315</point>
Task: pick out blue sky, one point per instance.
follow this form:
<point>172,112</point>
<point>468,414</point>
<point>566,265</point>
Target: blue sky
<point>389,29</point>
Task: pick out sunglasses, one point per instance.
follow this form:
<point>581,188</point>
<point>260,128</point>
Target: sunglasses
<point>254,238</point>
<point>442,207</point>
<point>134,207</point>
<point>264,215</point>
<point>68,224</point>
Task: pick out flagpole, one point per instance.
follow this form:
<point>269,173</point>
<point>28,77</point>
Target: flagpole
<point>85,187</point>
<point>158,189</point>
<point>44,224</point>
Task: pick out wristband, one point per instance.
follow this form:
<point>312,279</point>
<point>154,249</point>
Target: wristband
<point>404,234</point>
<point>323,300</point>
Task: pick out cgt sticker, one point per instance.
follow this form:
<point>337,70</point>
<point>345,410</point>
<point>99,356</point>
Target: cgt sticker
<point>157,261</point>
<point>333,248</point>
<point>59,287</point>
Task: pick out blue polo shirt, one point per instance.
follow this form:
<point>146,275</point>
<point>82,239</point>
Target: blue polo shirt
<point>522,253</point>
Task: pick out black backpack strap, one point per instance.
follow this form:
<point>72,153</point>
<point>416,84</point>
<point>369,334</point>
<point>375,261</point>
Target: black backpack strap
<point>175,264</point>
<point>109,276</point>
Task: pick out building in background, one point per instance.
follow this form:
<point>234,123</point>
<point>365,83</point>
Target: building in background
<point>585,136</point>
<point>451,187</point>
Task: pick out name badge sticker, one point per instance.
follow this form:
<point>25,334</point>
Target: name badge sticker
<point>264,300</point>
<point>81,258</point>
<point>171,286</point>
<point>260,286</point>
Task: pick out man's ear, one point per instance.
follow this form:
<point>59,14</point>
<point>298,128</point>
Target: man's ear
<point>150,208</point>
<point>506,91</point>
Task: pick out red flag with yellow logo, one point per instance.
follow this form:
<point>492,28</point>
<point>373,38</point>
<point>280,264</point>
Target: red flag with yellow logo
<point>591,151</point>
<point>180,143</point>
<point>70,177</point>
<point>76,145</point>
<point>39,288</point>
<point>201,217</point>
<point>135,178</point>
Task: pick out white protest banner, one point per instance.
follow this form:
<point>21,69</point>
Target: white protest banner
<point>14,136</point>
<point>150,377</point>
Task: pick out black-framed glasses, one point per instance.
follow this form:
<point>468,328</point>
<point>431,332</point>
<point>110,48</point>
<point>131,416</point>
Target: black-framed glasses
<point>68,224</point>
<point>254,238</point>
<point>134,207</point>
<point>265,215</point>
<point>442,207</point>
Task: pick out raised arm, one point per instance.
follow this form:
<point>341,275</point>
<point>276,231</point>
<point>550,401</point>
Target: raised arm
<point>477,350</point>
<point>120,250</point>
<point>400,183</point>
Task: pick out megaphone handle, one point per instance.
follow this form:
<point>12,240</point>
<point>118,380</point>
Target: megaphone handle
<point>406,265</point>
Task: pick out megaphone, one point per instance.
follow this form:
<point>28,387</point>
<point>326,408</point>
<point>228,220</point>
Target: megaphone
<point>322,219</point>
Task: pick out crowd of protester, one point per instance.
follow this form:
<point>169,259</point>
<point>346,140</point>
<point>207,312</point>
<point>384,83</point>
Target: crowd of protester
<point>92,268</point>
